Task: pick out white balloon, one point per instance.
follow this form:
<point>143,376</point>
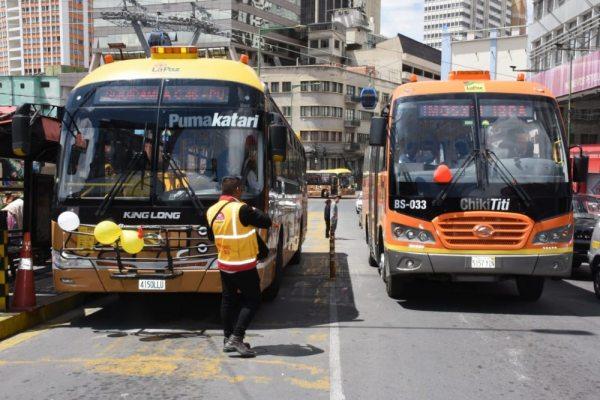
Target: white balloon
<point>68,221</point>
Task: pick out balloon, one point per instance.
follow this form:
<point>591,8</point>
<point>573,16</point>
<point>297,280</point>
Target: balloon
<point>107,232</point>
<point>131,242</point>
<point>68,221</point>
<point>442,174</point>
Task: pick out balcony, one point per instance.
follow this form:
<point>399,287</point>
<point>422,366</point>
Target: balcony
<point>352,147</point>
<point>351,123</point>
<point>351,98</point>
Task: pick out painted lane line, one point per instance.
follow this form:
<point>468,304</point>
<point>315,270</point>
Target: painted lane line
<point>335,364</point>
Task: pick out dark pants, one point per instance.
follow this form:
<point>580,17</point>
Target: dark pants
<point>333,227</point>
<point>327,228</point>
<point>238,309</point>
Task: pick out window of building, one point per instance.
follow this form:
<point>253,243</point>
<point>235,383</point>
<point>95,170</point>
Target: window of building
<point>337,44</point>
<point>274,87</point>
<point>22,86</point>
<point>287,111</point>
<point>314,44</point>
<point>324,43</point>
<point>45,84</point>
<point>286,86</point>
<point>351,90</point>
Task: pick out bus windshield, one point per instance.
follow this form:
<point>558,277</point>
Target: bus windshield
<point>147,141</point>
<point>522,133</point>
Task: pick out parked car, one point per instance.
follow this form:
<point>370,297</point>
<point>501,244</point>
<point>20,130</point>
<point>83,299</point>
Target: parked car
<point>594,258</point>
<point>358,204</point>
<point>586,210</point>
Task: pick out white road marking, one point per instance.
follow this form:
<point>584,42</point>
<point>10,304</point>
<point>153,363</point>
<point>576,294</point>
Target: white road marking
<point>335,364</point>
<point>514,359</point>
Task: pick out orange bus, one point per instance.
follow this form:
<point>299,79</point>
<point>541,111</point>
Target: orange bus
<point>145,144</point>
<point>468,180</point>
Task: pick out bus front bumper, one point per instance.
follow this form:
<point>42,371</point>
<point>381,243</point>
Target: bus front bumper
<point>551,265</point>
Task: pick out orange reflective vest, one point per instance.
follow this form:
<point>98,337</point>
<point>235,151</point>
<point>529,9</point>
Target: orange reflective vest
<point>236,244</point>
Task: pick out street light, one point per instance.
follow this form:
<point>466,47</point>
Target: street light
<point>271,29</point>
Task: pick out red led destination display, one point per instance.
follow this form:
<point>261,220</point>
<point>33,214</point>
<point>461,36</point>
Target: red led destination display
<point>506,110</point>
<point>126,94</point>
<point>204,94</point>
<point>439,110</point>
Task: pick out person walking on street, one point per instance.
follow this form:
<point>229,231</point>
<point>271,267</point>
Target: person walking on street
<point>233,225</point>
<point>14,209</point>
<point>334,215</point>
<point>326,216</point>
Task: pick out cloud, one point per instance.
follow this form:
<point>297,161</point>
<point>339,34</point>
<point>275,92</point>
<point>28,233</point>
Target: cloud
<point>402,16</point>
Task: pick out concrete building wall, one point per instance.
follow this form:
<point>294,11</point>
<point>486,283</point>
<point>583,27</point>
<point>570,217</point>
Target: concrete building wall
<point>331,140</point>
<point>475,55</point>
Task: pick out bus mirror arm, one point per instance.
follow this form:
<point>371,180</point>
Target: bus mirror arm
<point>377,133</point>
<point>278,141</point>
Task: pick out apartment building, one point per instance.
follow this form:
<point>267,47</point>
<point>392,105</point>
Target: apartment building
<point>564,54</point>
<point>322,103</point>
<point>37,34</point>
<point>463,16</point>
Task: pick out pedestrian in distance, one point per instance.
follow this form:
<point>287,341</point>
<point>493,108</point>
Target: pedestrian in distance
<point>334,215</point>
<point>233,225</point>
<point>326,216</point>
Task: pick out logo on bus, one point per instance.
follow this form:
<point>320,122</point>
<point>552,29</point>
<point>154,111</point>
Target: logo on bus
<point>493,204</point>
<point>483,231</point>
<point>164,68</point>
<point>213,121</point>
<point>164,215</point>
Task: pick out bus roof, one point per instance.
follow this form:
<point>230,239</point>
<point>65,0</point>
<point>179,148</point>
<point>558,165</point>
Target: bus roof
<point>422,88</point>
<point>152,68</point>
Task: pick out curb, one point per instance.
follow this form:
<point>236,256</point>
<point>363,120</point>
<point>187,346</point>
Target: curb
<point>12,324</point>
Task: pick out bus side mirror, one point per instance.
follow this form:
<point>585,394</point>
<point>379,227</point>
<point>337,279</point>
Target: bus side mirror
<point>278,141</point>
<point>580,169</point>
<point>378,130</point>
<point>21,131</point>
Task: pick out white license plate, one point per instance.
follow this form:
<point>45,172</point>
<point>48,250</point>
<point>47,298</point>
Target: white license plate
<point>152,284</point>
<point>483,262</point>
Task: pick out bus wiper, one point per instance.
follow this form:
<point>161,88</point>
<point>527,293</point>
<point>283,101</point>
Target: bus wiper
<point>182,177</point>
<point>124,176</point>
<point>459,173</point>
<point>508,178</point>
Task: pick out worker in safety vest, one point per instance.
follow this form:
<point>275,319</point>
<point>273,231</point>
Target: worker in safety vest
<point>233,224</point>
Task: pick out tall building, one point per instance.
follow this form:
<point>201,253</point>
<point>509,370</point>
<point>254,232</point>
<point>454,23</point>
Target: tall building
<point>238,23</point>
<point>463,17</point>
<point>37,34</point>
<point>318,11</point>
<point>564,50</point>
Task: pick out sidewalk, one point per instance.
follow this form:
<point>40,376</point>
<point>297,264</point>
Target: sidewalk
<point>49,304</point>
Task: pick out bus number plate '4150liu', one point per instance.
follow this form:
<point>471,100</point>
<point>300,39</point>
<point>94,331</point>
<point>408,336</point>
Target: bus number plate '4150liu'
<point>151,284</point>
<point>483,262</point>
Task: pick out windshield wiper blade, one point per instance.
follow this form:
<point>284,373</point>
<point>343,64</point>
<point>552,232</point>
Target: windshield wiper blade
<point>124,176</point>
<point>182,177</point>
<point>439,199</point>
<point>508,178</point>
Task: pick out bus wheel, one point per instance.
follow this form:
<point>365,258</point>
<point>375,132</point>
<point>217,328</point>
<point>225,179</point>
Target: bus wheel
<point>395,286</point>
<point>297,257</point>
<point>270,293</point>
<point>596,280</point>
<point>530,287</point>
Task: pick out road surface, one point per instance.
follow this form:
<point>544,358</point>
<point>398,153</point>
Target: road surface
<point>322,339</point>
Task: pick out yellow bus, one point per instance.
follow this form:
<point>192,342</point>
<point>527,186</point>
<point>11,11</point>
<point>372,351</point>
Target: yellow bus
<point>145,144</point>
<point>330,182</point>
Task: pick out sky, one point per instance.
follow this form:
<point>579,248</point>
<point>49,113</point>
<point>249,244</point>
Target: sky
<point>406,17</point>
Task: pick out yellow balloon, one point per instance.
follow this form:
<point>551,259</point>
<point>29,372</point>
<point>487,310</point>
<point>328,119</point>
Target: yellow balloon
<point>107,232</point>
<point>131,243</point>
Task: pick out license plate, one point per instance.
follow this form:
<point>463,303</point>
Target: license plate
<point>483,262</point>
<point>152,284</point>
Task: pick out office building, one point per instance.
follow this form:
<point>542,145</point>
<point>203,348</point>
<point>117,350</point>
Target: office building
<point>564,42</point>
<point>322,103</point>
<point>238,23</point>
<point>462,17</point>
<point>320,11</point>
<point>37,34</point>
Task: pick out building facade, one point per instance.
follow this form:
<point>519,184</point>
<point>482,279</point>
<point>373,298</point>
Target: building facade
<point>464,16</point>
<point>564,55</point>
<point>37,34</point>
<point>320,11</point>
<point>243,26</point>
<point>323,106</point>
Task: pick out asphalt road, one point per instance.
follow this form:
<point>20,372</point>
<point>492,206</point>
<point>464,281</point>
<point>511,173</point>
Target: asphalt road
<point>322,339</point>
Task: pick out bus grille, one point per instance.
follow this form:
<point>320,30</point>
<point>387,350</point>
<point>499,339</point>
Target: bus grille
<point>483,230</point>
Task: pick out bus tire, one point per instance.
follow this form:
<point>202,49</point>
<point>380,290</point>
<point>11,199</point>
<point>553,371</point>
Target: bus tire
<point>372,261</point>
<point>530,287</point>
<point>270,293</point>
<point>596,281</point>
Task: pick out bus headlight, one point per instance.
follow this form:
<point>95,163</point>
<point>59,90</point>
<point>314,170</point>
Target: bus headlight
<point>561,234</point>
<point>412,234</point>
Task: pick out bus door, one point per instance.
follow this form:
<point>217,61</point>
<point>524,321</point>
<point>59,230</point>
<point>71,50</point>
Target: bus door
<point>373,194</point>
<point>335,185</point>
